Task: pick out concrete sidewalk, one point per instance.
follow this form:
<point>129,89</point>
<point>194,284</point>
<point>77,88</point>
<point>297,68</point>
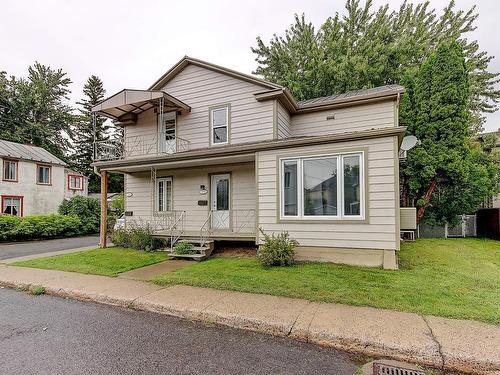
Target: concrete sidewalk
<point>460,345</point>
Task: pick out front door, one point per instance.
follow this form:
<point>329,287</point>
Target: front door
<point>166,133</point>
<point>220,196</point>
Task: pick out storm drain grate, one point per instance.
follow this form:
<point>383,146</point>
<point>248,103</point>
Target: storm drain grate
<point>385,369</point>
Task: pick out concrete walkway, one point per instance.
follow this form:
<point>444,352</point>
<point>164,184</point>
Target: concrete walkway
<point>460,345</point>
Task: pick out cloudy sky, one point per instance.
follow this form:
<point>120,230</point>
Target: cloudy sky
<point>131,43</point>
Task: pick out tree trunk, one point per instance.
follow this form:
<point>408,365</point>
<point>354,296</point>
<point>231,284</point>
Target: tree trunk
<point>427,200</point>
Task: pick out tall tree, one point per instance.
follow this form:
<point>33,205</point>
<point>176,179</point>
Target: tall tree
<point>86,132</point>
<point>367,48</point>
<point>447,173</point>
<point>36,110</point>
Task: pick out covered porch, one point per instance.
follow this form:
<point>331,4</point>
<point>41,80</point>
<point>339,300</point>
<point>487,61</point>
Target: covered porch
<point>199,200</point>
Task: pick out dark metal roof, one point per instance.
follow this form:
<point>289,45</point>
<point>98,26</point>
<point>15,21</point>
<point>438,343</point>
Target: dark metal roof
<point>27,152</point>
<point>351,95</point>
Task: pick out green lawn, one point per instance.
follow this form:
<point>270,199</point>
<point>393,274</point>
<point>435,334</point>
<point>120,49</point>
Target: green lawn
<point>457,278</point>
<point>107,262</point>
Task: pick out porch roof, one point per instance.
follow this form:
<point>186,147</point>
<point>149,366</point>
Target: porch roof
<point>244,152</point>
<point>128,103</point>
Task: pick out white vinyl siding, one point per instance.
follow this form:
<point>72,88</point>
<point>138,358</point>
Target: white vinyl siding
<point>186,191</point>
<point>377,231</point>
<point>343,120</point>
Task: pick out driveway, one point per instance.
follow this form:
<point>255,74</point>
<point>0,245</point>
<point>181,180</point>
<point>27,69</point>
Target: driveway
<point>21,249</point>
<point>50,335</point>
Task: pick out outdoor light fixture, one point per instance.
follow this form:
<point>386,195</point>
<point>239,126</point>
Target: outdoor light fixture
<point>129,194</point>
<point>203,190</point>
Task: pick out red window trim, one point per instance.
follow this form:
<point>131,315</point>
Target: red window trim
<point>76,176</point>
<point>13,196</point>
<point>17,170</point>
<point>50,174</point>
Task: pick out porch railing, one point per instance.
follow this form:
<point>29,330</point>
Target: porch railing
<point>177,228</point>
<point>160,223</point>
<point>157,144</point>
<point>237,221</point>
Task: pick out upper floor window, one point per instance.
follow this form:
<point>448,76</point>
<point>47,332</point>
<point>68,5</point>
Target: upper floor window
<point>43,174</point>
<point>163,194</point>
<point>219,125</point>
<point>10,168</point>
<point>323,187</point>
<point>75,182</point>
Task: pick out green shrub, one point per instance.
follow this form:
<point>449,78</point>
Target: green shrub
<point>117,204</point>
<point>86,208</point>
<point>38,227</point>
<point>140,238</point>
<point>277,250</point>
<point>7,224</point>
<point>184,247</point>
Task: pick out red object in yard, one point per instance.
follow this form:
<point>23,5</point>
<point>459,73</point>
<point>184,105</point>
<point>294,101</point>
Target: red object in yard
<point>488,223</point>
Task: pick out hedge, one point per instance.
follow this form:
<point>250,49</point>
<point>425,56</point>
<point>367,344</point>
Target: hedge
<point>13,228</point>
<point>87,209</point>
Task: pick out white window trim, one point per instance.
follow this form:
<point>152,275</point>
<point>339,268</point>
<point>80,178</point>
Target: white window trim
<point>340,188</point>
<point>212,127</point>
<point>165,198</point>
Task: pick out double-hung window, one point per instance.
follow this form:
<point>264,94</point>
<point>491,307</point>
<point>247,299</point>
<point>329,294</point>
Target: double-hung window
<point>322,187</point>
<point>43,174</point>
<point>75,182</point>
<point>163,195</point>
<point>219,125</point>
<point>10,170</point>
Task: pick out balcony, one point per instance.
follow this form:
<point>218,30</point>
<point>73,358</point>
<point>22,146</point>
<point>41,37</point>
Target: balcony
<point>139,146</point>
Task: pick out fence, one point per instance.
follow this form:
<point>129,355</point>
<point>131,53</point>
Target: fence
<point>466,227</point>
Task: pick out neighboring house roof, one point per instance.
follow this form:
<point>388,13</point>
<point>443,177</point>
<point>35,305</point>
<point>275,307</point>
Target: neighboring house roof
<point>27,152</point>
<point>186,60</point>
<point>72,172</point>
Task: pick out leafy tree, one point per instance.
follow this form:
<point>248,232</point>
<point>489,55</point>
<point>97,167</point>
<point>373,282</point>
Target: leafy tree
<point>367,48</point>
<point>448,173</point>
<point>35,109</point>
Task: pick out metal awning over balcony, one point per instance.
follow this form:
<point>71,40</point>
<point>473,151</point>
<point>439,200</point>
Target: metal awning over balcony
<point>125,105</point>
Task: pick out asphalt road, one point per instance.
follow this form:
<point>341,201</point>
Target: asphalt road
<point>50,335</point>
<point>20,249</point>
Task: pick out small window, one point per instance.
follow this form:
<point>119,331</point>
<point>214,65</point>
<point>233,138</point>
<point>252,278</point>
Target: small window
<point>12,205</point>
<point>43,174</point>
<point>163,194</point>
<point>219,124</point>
<point>75,182</point>
<point>10,170</point>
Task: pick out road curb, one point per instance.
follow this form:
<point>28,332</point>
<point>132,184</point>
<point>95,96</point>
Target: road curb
<point>422,356</point>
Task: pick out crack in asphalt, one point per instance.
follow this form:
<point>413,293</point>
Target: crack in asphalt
<point>434,338</point>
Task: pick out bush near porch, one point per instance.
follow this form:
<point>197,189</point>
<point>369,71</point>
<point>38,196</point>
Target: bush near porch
<point>456,278</point>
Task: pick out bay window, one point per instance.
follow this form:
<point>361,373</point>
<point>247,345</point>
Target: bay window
<point>322,187</point>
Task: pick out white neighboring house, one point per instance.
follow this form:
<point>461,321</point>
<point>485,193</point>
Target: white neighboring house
<point>33,181</point>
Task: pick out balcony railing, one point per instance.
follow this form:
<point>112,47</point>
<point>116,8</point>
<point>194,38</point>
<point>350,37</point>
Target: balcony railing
<point>139,145</point>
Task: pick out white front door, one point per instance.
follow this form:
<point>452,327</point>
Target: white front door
<point>220,195</point>
<point>166,133</point>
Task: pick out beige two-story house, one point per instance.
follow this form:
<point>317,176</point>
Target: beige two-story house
<point>213,153</point>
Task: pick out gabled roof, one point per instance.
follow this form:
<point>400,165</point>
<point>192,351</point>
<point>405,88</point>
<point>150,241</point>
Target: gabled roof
<point>27,152</point>
<point>186,60</point>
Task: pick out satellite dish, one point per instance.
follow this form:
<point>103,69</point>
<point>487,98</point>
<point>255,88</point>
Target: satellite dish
<point>409,142</point>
